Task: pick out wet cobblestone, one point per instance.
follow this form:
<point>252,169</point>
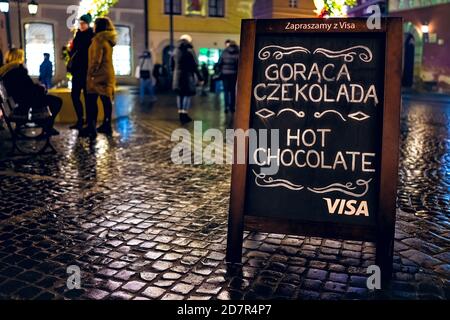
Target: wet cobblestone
<point>140,227</point>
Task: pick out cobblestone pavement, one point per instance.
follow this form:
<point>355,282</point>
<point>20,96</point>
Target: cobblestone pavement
<point>140,227</point>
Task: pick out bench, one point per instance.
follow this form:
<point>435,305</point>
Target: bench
<point>27,130</point>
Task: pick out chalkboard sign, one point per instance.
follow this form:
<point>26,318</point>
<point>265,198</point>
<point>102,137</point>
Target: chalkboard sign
<point>320,101</point>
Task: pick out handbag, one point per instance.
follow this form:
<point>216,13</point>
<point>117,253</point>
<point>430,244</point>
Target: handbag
<point>192,83</point>
<point>144,74</point>
<point>70,62</point>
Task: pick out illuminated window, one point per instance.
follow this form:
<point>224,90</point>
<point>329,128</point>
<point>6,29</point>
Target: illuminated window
<point>176,7</point>
<point>293,3</point>
<point>122,51</point>
<point>39,39</point>
<point>216,8</point>
<point>210,56</point>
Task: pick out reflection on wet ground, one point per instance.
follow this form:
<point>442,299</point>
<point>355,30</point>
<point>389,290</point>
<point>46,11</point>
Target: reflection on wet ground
<point>140,227</point>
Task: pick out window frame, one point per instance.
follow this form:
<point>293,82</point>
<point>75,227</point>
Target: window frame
<point>117,26</point>
<point>175,13</point>
<point>216,7</point>
<point>293,4</point>
<point>24,44</point>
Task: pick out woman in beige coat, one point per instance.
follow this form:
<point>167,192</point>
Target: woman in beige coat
<point>101,81</point>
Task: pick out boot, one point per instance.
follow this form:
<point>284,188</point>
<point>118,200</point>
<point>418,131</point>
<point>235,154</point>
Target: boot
<point>88,132</point>
<point>184,118</point>
<point>105,128</point>
<point>188,119</point>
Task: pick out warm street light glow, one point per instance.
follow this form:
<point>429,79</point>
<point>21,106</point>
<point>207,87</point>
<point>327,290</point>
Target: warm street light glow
<point>33,7</point>
<point>4,6</point>
<point>425,28</point>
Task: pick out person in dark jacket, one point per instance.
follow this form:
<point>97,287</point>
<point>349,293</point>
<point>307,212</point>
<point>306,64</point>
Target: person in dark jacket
<point>144,72</point>
<point>79,65</point>
<point>205,76</point>
<point>228,66</point>
<point>185,76</point>
<point>26,94</point>
<point>46,72</point>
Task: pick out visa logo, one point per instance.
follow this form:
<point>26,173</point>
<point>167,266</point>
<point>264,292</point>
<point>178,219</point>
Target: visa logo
<point>347,207</point>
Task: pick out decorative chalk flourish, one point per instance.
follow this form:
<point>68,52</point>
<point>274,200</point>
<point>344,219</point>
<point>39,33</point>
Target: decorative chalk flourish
<point>280,52</point>
<point>265,113</point>
<point>359,116</point>
<point>348,188</point>
<point>319,115</point>
<point>261,180</point>
<point>299,114</point>
<point>348,54</point>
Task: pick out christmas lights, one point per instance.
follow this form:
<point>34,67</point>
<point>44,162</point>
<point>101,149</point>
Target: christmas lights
<point>333,8</point>
<point>97,8</point>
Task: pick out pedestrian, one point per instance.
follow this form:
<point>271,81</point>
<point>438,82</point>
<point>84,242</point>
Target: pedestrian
<point>46,72</point>
<point>28,95</point>
<point>185,76</point>
<point>101,80</point>
<point>205,76</point>
<point>144,72</point>
<point>228,66</point>
<point>78,65</point>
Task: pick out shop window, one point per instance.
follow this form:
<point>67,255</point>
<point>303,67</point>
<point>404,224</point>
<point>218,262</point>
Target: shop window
<point>176,7</point>
<point>210,56</point>
<point>39,39</point>
<point>216,8</point>
<point>122,51</point>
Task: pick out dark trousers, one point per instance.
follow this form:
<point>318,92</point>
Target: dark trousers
<point>54,104</point>
<point>78,85</point>
<point>229,87</point>
<point>92,109</point>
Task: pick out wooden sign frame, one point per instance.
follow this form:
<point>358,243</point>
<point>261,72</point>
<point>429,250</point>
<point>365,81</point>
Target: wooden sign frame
<point>383,236</point>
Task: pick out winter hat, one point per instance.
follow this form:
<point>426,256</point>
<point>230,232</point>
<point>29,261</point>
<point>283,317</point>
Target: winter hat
<point>186,37</point>
<point>86,18</point>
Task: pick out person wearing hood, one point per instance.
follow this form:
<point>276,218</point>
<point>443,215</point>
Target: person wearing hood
<point>101,80</point>
<point>185,76</point>
<point>228,68</point>
<point>144,72</point>
<point>46,72</point>
<point>78,66</point>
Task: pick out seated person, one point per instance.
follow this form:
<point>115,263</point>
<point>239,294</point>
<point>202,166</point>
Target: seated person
<point>25,92</point>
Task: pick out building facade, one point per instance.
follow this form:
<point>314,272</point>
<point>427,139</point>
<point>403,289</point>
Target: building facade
<point>51,29</point>
<point>426,27</point>
<point>3,35</point>
<point>427,42</point>
<point>363,8</point>
<point>272,9</point>
<point>209,22</point>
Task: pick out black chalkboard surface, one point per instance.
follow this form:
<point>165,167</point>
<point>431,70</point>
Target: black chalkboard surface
<point>320,102</point>
<point>324,94</point>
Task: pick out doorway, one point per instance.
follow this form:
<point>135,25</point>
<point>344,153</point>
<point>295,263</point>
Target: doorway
<point>408,69</point>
